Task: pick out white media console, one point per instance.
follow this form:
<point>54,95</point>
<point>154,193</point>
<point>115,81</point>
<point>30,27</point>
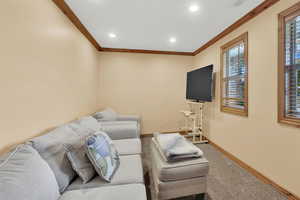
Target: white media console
<point>194,121</point>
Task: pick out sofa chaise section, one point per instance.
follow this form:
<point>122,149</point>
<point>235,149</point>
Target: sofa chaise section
<point>116,192</point>
<point>128,146</point>
<point>130,171</point>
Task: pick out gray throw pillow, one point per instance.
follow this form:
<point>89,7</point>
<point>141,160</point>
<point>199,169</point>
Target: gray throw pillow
<point>82,130</point>
<point>90,123</point>
<point>25,175</point>
<point>51,148</point>
<point>79,161</point>
<point>106,115</point>
<point>103,155</point>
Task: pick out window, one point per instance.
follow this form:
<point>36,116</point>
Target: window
<point>234,76</point>
<point>289,66</point>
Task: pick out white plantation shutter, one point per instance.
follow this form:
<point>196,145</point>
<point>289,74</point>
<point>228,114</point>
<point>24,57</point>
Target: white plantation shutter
<point>292,67</point>
<point>289,66</point>
<point>234,77</point>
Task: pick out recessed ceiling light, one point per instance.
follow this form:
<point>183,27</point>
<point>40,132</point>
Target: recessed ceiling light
<point>172,40</point>
<point>112,35</point>
<point>194,8</point>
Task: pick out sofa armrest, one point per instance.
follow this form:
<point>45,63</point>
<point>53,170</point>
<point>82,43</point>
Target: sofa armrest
<point>118,130</point>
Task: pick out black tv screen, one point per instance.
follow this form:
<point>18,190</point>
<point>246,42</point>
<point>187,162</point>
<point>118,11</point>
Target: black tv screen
<point>199,84</point>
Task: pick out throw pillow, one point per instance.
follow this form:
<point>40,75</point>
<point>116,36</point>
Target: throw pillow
<point>106,115</point>
<point>81,129</point>
<point>51,148</point>
<point>103,155</point>
<point>24,174</point>
<point>79,161</point>
<point>89,122</point>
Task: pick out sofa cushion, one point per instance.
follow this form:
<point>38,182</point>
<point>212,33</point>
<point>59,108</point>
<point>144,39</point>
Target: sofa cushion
<point>25,175</point>
<point>106,115</point>
<point>103,155</point>
<point>79,160</point>
<point>89,122</point>
<point>128,146</point>
<point>51,148</point>
<point>127,192</point>
<point>82,130</point>
<point>172,171</point>
<point>130,171</point>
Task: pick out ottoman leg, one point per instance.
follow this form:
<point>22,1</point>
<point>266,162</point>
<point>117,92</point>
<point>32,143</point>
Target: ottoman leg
<point>200,196</point>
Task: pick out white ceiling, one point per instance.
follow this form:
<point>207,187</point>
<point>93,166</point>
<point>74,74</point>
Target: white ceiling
<point>149,24</point>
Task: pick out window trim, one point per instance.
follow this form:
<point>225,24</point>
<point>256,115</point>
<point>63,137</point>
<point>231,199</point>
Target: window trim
<point>282,18</point>
<point>242,112</point>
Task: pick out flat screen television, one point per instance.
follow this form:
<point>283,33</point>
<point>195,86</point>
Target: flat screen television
<point>199,84</point>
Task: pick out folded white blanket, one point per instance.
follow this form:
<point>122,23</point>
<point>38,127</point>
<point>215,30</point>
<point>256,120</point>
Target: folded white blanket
<point>175,146</point>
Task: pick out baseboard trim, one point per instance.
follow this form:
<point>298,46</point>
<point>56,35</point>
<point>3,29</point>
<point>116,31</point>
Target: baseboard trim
<point>256,173</point>
<point>242,164</point>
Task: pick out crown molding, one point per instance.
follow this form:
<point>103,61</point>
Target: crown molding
<point>61,4</point>
<point>147,51</point>
<point>250,15</point>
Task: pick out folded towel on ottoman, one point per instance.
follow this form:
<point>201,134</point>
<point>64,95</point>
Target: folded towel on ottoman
<point>174,147</point>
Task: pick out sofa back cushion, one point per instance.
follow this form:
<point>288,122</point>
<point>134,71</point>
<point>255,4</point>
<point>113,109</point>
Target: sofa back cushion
<point>79,160</point>
<point>89,122</point>
<point>25,175</point>
<point>106,115</point>
<point>51,148</point>
<point>81,129</point>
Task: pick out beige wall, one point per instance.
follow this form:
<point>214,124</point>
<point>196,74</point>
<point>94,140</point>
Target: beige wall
<point>258,140</point>
<point>152,86</point>
<point>48,70</point>
<point>50,74</point>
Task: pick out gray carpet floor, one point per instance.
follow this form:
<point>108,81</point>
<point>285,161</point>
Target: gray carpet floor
<point>226,179</point>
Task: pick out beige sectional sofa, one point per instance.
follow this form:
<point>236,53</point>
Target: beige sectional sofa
<point>15,170</point>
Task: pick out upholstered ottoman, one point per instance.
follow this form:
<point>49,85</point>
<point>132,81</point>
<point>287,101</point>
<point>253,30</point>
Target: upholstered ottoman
<point>177,179</point>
